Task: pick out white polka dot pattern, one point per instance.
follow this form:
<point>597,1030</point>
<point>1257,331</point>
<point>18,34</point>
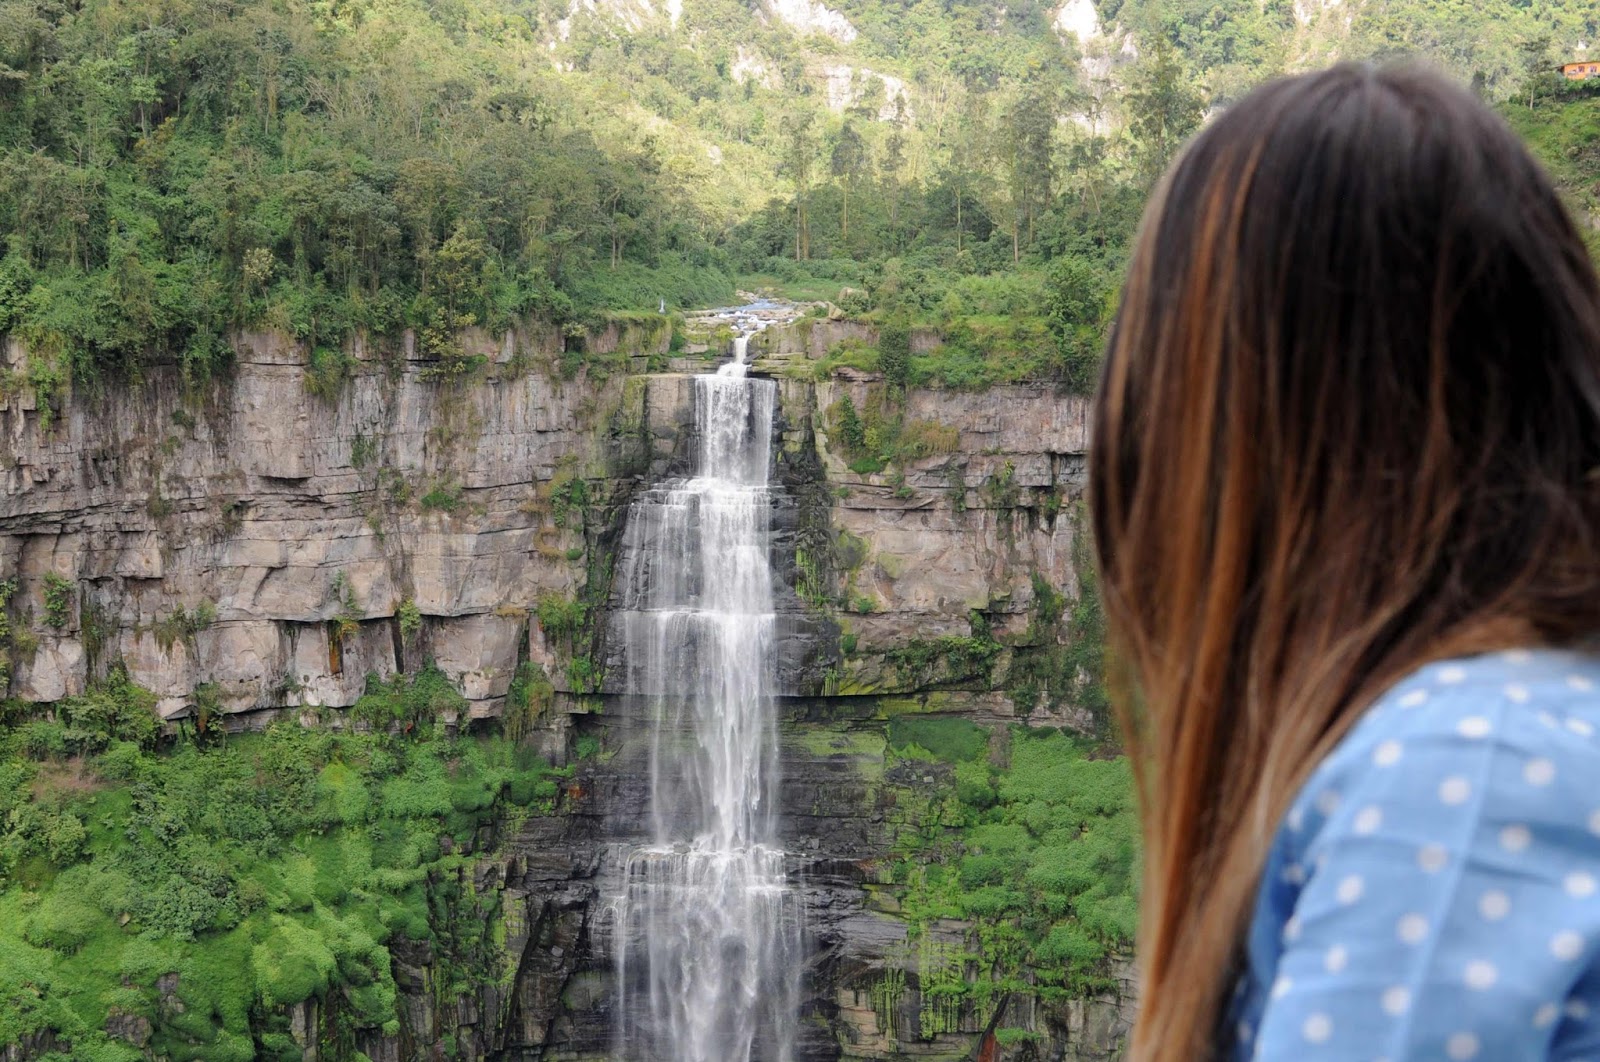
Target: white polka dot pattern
<point>1539,772</point>
<point>1454,790</point>
<point>1412,928</point>
<point>1515,838</point>
<point>1432,858</point>
<point>1434,891</point>
<point>1481,974</point>
<point>1396,1000</point>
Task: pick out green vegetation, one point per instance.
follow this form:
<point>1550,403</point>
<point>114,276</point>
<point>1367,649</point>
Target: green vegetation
<point>327,368</point>
<point>442,497</point>
<point>183,624</point>
<point>1564,131</point>
<point>174,171</point>
<point>1062,660</point>
<point>7,588</point>
<point>408,701</point>
<point>203,888</point>
<point>938,738</point>
<point>529,694</point>
<point>409,617</point>
<point>568,494</point>
<point>950,660</point>
<point>116,712</point>
<point>171,171</point>
<point>17,642</point>
<point>562,618</point>
<point>894,352</point>
<point>348,612</point>
<point>1038,855</point>
<point>880,435</point>
<point>583,675</point>
<point>59,593</point>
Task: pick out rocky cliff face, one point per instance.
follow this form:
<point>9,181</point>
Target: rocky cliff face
<point>249,549</point>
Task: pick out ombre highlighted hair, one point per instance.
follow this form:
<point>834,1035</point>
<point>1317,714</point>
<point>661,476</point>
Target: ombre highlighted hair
<point>1349,423</point>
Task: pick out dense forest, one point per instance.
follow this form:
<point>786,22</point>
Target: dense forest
<point>176,170</point>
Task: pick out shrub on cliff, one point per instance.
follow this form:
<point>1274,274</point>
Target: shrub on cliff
<point>894,352</point>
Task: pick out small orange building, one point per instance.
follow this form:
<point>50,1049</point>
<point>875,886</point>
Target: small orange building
<point>1581,71</point>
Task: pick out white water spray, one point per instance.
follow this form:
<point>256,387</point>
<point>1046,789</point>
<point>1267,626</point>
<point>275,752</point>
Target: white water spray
<point>708,941</point>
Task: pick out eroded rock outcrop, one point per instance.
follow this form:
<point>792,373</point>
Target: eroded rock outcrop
<point>255,540</point>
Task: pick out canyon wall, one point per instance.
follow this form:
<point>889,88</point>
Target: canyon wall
<point>257,547</point>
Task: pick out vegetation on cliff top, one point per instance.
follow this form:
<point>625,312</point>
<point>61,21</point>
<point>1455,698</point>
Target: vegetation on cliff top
<point>172,171</point>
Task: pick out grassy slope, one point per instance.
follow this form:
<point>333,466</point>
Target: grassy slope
<point>1565,134</point>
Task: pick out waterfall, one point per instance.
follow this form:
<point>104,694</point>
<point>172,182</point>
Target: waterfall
<point>708,942</point>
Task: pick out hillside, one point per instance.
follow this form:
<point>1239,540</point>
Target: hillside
<point>173,171</point>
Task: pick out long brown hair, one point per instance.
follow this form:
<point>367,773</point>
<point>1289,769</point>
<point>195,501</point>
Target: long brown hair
<point>1349,422</point>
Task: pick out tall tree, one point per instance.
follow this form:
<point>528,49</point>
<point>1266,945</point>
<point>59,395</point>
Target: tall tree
<point>1534,53</point>
<point>846,163</point>
<point>893,162</point>
<point>799,160</point>
<point>1164,107</point>
<point>1030,132</point>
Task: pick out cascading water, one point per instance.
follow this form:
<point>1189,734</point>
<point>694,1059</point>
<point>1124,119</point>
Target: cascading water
<point>708,938</point>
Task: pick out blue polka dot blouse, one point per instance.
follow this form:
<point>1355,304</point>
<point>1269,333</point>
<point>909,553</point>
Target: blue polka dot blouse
<point>1434,891</point>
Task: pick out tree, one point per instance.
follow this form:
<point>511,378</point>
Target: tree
<point>847,162</point>
<point>1534,54</point>
<point>1086,163</point>
<point>1075,295</point>
<point>894,352</point>
<point>1030,135</point>
<point>1163,108</point>
<point>799,159</point>
<point>460,276</point>
<point>894,160</point>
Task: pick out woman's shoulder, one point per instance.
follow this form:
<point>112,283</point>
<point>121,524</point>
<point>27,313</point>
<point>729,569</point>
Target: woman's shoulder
<point>1434,892</point>
<point>1515,734</point>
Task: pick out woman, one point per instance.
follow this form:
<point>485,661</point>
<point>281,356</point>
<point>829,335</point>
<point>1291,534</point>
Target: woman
<point>1346,495</point>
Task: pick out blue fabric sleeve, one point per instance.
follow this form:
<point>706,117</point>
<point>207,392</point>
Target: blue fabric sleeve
<point>1442,886</point>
